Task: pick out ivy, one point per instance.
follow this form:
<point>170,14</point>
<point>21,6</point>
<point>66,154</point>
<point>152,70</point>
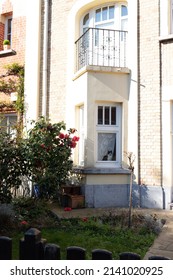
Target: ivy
<point>13,81</point>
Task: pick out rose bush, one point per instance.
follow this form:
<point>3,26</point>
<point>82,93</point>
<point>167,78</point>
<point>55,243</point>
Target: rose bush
<point>43,157</point>
<point>48,153</point>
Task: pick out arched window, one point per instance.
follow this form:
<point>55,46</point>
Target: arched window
<point>103,36</point>
<point>107,17</point>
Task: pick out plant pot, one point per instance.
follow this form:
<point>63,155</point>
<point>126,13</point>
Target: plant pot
<point>6,47</point>
<point>76,201</point>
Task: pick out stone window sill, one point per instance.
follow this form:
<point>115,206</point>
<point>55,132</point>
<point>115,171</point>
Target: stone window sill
<point>9,52</point>
<point>168,37</point>
<point>95,170</point>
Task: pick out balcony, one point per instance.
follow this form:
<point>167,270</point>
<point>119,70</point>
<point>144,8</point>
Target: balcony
<point>101,47</point>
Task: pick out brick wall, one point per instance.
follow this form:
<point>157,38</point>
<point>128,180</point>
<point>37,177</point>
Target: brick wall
<point>7,7</point>
<point>18,43</point>
<point>149,96</point>
<point>18,40</point>
<point>57,59</point>
<point>1,35</point>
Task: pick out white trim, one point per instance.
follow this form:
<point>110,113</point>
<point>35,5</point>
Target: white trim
<point>117,16</point>
<point>171,16</point>
<point>82,136</point>
<point>117,129</point>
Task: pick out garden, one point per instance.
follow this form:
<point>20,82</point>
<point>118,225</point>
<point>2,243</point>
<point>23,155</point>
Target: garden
<point>43,158</point>
<point>107,231</point>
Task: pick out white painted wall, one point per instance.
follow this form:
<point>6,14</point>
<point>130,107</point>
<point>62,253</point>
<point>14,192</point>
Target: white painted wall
<point>32,59</point>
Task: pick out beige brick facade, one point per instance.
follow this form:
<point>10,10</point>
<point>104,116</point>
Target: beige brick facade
<point>57,60</point>
<point>149,94</point>
<point>149,114</point>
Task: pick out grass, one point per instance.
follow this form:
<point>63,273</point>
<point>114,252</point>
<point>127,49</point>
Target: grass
<point>109,231</point>
<point>93,233</point>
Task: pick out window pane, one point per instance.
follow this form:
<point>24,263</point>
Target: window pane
<point>111,12</point>
<point>100,114</point>
<point>98,15</point>
<point>104,13</point>
<point>3,123</point>
<point>107,115</point>
<point>113,115</point>
<point>8,124</point>
<point>12,120</point>
<point>86,20</point>
<point>124,11</point>
<point>9,24</point>
<point>106,146</point>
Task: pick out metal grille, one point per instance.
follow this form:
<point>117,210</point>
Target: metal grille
<point>101,47</point>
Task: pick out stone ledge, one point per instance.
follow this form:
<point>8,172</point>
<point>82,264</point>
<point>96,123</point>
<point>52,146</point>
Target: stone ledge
<point>7,53</point>
<point>95,170</point>
<point>168,37</point>
<point>101,69</point>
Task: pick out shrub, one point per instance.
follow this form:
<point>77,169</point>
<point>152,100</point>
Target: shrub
<point>6,42</point>
<point>151,224</point>
<point>12,166</point>
<point>7,217</point>
<point>48,153</point>
<point>45,157</point>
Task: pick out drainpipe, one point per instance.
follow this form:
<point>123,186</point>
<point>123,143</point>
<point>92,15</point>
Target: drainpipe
<point>138,97</point>
<point>45,56</point>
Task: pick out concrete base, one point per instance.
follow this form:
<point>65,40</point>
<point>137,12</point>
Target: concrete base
<point>100,196</point>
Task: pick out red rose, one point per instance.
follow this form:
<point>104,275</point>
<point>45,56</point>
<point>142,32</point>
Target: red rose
<point>75,138</point>
<point>61,136</point>
<point>66,136</point>
<point>72,144</point>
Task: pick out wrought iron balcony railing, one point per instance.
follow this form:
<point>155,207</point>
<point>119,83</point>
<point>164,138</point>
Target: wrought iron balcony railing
<point>101,47</point>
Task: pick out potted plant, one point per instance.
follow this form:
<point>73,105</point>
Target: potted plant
<point>71,191</point>
<point>6,44</point>
<point>72,184</point>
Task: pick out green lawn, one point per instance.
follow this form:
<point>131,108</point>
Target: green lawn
<point>96,233</point>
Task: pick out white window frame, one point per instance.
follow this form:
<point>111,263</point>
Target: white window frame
<point>116,21</point>
<point>171,16</point>
<point>81,136</point>
<point>117,129</point>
